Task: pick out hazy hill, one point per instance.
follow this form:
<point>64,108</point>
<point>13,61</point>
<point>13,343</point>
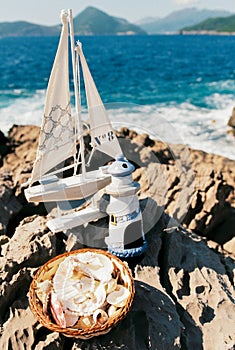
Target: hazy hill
<point>179,19</point>
<point>21,28</point>
<point>219,24</point>
<point>146,20</point>
<point>91,21</point>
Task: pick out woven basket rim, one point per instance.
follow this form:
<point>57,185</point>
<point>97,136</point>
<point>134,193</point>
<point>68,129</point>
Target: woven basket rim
<point>95,330</point>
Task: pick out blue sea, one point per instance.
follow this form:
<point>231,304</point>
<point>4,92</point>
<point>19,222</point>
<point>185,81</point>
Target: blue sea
<point>178,88</point>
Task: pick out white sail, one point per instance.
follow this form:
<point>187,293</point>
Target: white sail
<point>103,136</point>
<point>57,139</point>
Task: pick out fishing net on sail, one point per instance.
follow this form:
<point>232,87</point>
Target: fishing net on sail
<point>57,136</point>
<point>57,129</point>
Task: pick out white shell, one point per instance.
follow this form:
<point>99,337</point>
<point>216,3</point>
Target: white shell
<point>42,290</point>
<point>112,310</point>
<point>64,285</point>
<point>84,322</point>
<point>119,297</point>
<point>70,318</point>
<point>111,285</point>
<point>57,310</point>
<point>98,265</point>
<point>100,316</point>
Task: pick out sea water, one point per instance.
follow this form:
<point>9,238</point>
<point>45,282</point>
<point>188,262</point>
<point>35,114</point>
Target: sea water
<point>180,89</point>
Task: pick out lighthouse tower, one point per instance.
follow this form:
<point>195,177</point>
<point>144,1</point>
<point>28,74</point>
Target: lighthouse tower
<point>126,236</point>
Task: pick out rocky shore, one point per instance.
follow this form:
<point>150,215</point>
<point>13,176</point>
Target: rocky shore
<point>231,122</point>
<point>185,282</point>
<point>205,32</point>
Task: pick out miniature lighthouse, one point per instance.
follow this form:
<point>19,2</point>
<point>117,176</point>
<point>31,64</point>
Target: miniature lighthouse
<point>126,236</point>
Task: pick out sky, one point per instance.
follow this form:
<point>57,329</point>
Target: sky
<point>47,12</point>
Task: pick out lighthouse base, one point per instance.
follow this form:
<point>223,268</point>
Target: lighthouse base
<point>129,252</point>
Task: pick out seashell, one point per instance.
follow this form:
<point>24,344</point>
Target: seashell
<point>47,275</point>
<point>85,322</point>
<point>92,301</point>
<point>100,294</point>
<point>79,271</point>
<point>97,265</point>
<point>68,284</point>
<point>42,288</point>
<point>119,297</point>
<point>43,293</point>
<point>85,284</point>
<point>70,318</point>
<point>79,299</point>
<point>116,272</point>
<point>57,310</point>
<point>100,316</point>
<point>111,285</point>
<point>62,275</point>
<point>112,310</point>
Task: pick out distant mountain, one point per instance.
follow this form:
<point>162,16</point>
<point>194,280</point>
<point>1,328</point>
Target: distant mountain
<point>218,24</point>
<point>146,20</point>
<point>91,21</point>
<point>179,19</point>
<point>22,28</point>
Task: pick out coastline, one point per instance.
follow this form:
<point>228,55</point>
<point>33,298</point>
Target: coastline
<point>205,32</point>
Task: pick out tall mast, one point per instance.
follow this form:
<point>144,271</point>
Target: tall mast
<point>77,94</point>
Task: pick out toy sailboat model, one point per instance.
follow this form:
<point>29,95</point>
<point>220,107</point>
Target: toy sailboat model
<point>60,131</point>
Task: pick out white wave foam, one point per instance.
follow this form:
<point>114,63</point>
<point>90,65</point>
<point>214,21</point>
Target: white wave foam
<point>22,111</point>
<point>199,128</point>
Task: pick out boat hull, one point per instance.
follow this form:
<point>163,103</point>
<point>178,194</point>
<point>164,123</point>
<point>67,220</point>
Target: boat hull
<point>70,188</point>
<point>71,220</point>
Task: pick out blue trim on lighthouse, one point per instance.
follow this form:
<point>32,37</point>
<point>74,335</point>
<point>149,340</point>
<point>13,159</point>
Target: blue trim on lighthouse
<point>129,253</point>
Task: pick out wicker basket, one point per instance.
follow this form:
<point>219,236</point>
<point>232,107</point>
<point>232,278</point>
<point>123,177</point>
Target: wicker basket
<point>48,270</point>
